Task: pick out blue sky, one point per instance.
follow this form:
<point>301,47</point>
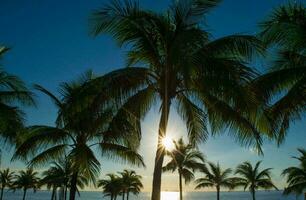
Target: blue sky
<point>50,44</point>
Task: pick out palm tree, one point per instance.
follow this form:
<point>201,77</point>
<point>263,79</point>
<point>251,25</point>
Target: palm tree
<point>185,159</point>
<point>180,65</point>
<point>13,92</point>
<point>285,30</point>
<point>6,180</point>
<point>131,182</point>
<point>79,130</point>
<point>296,176</point>
<point>26,179</point>
<point>215,177</point>
<point>58,176</point>
<point>112,186</point>
<point>253,178</point>
<point>52,180</point>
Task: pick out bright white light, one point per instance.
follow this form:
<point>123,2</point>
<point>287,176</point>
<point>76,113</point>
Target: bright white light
<point>168,143</point>
<point>170,196</point>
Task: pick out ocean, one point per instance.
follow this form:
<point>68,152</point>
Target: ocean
<point>261,195</point>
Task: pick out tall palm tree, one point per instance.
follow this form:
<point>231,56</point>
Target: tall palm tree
<point>175,61</point>
<point>296,176</point>
<point>215,177</point>
<point>13,92</point>
<point>26,179</point>
<point>79,131</point>
<point>253,178</point>
<point>112,186</point>
<point>284,85</point>
<point>186,160</point>
<point>6,180</point>
<point>131,182</point>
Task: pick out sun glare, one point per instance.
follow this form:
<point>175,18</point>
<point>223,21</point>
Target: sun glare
<point>168,143</point>
<point>170,195</point>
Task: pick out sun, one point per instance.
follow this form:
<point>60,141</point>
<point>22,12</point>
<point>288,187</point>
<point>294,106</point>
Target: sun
<point>168,143</point>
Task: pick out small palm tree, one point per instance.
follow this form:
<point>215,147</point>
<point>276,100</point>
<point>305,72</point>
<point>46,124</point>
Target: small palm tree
<point>52,180</point>
<point>6,180</point>
<point>112,186</point>
<point>131,182</point>
<point>215,177</point>
<point>79,131</point>
<point>253,178</point>
<point>186,160</point>
<point>296,176</point>
<point>25,180</point>
<point>58,176</point>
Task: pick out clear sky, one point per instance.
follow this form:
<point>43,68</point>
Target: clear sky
<point>50,44</point>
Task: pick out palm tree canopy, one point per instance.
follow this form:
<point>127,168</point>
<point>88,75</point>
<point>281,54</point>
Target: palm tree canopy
<point>26,179</point>
<point>296,176</point>
<point>186,159</point>
<point>59,175</point>
<point>13,92</point>
<point>6,178</point>
<point>283,86</point>
<point>215,177</point>
<point>111,186</point>
<point>175,60</point>
<point>131,182</point>
<point>79,132</point>
<point>254,178</point>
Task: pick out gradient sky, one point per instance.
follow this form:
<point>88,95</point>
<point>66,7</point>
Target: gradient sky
<point>50,44</point>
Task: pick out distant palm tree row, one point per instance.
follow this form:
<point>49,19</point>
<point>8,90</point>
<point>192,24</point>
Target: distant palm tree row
<point>186,160</point>
<point>173,62</point>
<point>56,179</point>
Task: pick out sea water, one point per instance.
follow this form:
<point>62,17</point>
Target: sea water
<point>260,195</point>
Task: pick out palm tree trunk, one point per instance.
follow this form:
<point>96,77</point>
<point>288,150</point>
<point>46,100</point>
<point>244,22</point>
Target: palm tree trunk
<point>1,196</point>
<point>65,193</point>
<point>305,196</point>
<point>24,194</point>
<point>253,194</point>
<point>53,193</point>
<point>127,195</point>
<point>73,186</point>
<point>218,193</point>
<point>181,186</point>
<point>159,157</point>
<point>123,195</point>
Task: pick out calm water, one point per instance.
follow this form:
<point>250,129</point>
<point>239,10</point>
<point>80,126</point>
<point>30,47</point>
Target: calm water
<point>45,195</point>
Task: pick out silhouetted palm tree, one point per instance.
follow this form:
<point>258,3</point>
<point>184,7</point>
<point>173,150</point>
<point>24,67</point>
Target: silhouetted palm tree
<point>6,180</point>
<point>26,179</point>
<point>131,182</point>
<point>79,130</point>
<point>254,178</point>
<point>112,186</point>
<point>186,160</point>
<point>182,66</point>
<point>215,177</point>
<point>285,30</point>
<point>58,176</point>
<point>296,176</point>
